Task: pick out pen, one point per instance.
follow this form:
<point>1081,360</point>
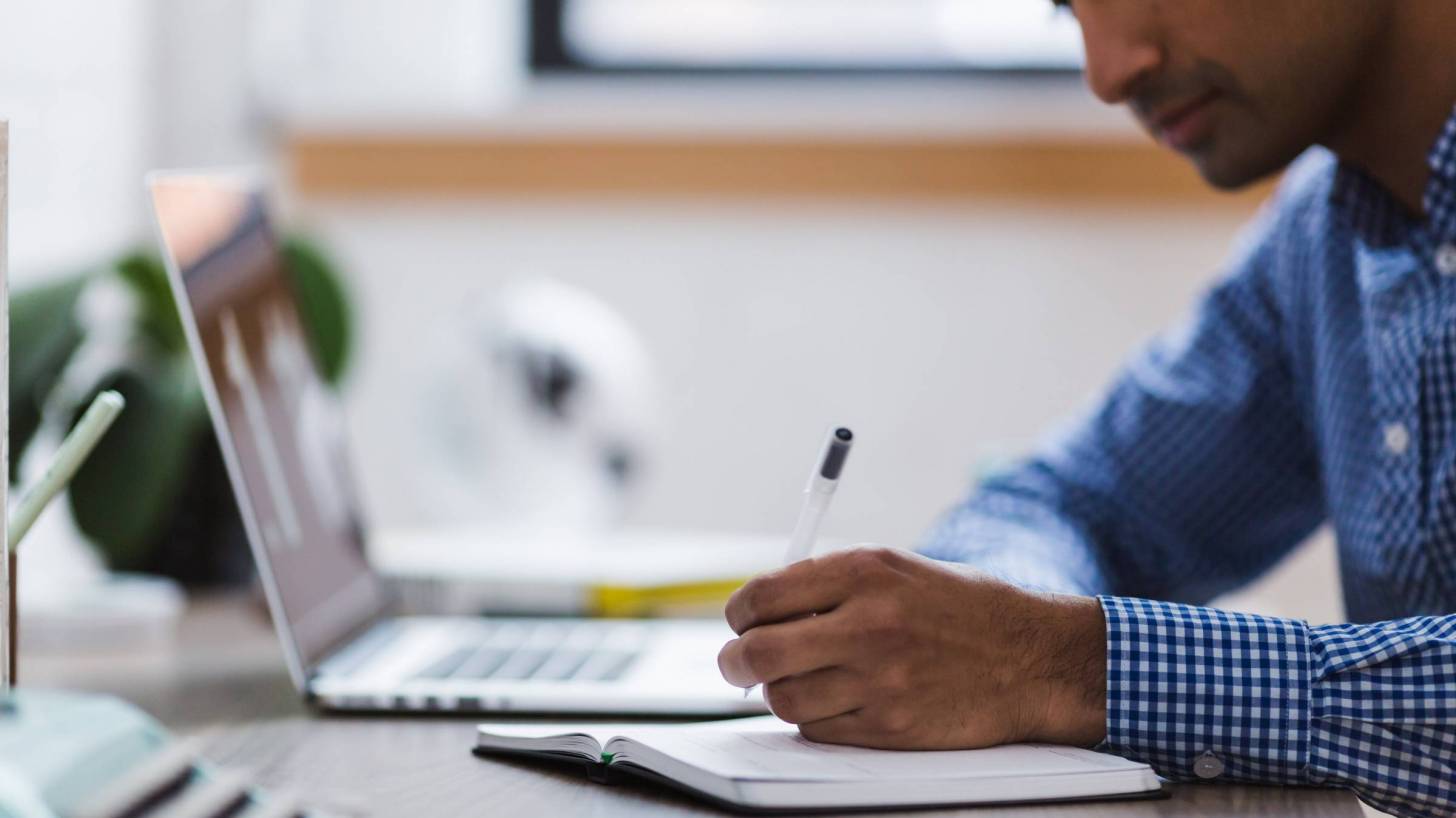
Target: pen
<point>817,494</point>
<point>823,480</point>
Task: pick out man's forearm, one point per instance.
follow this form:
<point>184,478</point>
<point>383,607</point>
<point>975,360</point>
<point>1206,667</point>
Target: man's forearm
<point>1203,694</point>
<point>1020,539</point>
<point>1069,674</point>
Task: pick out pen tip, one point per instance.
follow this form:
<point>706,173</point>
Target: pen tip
<point>844,434</point>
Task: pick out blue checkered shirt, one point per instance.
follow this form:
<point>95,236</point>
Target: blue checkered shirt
<point>1315,382</point>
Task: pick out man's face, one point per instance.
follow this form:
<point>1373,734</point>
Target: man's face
<point>1240,87</point>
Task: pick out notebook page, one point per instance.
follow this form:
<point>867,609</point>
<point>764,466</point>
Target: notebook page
<point>769,750</point>
<point>577,737</point>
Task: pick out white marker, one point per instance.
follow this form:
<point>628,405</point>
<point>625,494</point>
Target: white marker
<point>822,483</point>
<point>823,480</point>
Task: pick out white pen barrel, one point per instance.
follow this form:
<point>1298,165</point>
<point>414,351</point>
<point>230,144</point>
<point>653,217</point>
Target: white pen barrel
<point>801,542</point>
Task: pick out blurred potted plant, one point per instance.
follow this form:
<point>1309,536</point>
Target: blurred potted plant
<point>155,497</point>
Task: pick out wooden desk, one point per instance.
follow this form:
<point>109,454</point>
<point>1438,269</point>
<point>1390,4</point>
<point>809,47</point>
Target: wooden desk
<point>421,767</point>
<point>224,683</point>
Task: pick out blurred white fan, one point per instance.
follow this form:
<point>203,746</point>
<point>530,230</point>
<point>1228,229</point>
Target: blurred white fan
<point>543,415</point>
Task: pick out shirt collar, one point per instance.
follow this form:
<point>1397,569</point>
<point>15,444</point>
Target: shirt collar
<point>1440,198</point>
<point>1374,214</point>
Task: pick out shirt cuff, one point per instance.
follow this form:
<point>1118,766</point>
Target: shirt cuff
<point>1200,693</point>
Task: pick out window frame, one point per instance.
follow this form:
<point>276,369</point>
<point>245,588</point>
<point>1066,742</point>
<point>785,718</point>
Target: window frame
<point>551,55</point>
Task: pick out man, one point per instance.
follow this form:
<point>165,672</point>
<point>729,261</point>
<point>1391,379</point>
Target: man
<point>1316,382</point>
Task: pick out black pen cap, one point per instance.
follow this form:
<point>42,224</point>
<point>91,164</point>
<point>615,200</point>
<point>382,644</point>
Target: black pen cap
<point>835,453</point>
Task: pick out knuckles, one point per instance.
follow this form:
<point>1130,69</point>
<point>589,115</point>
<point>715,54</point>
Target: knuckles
<point>749,659</point>
<point>883,623</point>
<point>783,702</point>
<point>867,562</point>
<point>816,732</point>
<point>743,606</point>
<point>896,682</point>
<point>760,655</point>
<point>895,720</point>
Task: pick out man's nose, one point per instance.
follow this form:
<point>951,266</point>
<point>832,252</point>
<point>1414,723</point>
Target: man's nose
<point>1120,52</point>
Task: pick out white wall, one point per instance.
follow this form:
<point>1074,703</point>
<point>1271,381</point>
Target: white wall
<point>939,333</point>
<point>942,334</point>
<point>206,113</point>
<point>75,85</point>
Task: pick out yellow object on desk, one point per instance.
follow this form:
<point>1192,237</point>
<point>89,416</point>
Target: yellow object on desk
<point>630,572</point>
<point>680,599</point>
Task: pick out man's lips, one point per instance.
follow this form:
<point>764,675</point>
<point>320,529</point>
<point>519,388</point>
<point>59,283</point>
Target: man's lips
<point>1183,125</point>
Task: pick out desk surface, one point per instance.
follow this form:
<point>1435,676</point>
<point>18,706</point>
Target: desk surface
<point>403,766</point>
<point>224,682</point>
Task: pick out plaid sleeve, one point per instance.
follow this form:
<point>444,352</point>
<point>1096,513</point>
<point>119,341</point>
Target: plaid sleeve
<point>1202,694</point>
<point>1019,540</point>
<point>1192,474</point>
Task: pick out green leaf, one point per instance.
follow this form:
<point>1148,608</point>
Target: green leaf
<point>43,337</point>
<point>159,319</point>
<point>322,305</point>
<point>124,495</point>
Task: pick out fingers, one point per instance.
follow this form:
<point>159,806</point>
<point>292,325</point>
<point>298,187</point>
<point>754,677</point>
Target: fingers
<point>847,728</point>
<point>878,726</point>
<point>815,585</point>
<point>773,652</point>
<point>816,695</point>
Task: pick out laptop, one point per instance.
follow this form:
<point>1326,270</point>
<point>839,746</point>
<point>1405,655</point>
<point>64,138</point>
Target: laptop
<point>281,433</point>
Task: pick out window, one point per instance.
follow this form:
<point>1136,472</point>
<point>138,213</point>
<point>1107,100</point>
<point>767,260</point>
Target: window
<point>803,35</point>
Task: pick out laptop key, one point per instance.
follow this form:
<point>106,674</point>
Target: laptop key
<point>482,664</point>
<point>446,665</point>
<point>521,664</point>
<point>508,636</point>
<point>617,669</point>
<point>606,666</point>
<point>562,665</point>
<point>377,641</point>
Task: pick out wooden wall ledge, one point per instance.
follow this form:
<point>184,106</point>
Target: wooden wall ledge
<point>876,166</point>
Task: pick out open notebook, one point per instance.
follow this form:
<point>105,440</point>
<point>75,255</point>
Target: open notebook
<point>762,764</point>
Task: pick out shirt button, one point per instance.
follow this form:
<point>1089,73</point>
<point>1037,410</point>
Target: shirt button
<point>1446,259</point>
<point>1208,765</point>
<point>1397,438</point>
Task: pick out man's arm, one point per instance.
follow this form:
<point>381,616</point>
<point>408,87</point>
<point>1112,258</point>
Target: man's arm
<point>882,648</point>
<point>1207,694</point>
<point>1194,473</point>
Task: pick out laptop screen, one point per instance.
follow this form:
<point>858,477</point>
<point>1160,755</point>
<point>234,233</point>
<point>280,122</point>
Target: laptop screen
<point>277,422</point>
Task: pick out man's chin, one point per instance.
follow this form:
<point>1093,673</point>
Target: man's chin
<point>1223,180</point>
<point>1229,173</point>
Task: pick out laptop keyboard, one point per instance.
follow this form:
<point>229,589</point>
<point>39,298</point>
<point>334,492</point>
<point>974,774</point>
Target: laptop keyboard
<point>545,651</point>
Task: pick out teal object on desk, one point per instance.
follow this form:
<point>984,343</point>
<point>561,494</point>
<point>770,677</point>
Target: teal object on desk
<point>58,749</point>
<point>76,755</point>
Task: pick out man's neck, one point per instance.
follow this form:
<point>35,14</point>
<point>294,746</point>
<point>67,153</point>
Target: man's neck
<point>1406,98</point>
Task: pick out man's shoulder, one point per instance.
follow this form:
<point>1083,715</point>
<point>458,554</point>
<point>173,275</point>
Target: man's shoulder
<point>1295,219</point>
<point>1306,186</point>
<point>1282,255</point>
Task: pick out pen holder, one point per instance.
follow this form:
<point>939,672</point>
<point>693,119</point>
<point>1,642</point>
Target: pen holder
<point>74,450</point>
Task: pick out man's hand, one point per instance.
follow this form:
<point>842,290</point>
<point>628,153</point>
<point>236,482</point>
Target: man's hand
<point>883,648</point>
